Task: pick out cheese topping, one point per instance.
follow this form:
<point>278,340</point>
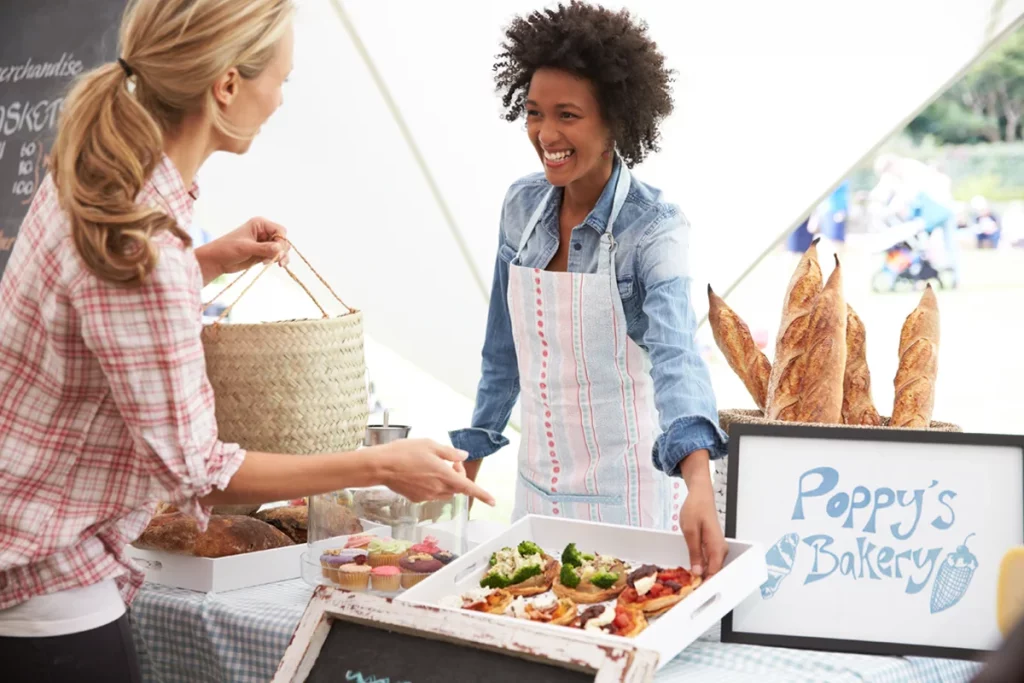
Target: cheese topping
<point>546,602</point>
<point>509,561</point>
<point>606,617</point>
<point>518,608</point>
<point>644,585</point>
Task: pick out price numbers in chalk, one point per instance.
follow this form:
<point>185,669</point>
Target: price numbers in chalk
<point>30,158</point>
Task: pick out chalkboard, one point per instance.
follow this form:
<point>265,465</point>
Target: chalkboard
<point>44,45</point>
<point>370,654</point>
<point>345,636</point>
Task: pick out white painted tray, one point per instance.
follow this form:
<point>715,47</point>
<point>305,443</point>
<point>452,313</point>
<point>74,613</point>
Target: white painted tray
<point>670,634</point>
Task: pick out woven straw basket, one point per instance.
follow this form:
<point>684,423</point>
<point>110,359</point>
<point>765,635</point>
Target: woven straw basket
<point>727,418</point>
<point>296,386</point>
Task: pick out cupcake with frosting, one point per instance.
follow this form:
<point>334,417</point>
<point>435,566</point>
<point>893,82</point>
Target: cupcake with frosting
<point>386,579</point>
<point>386,551</point>
<point>416,567</point>
<point>354,576</point>
<point>361,541</point>
<point>427,546</point>
<point>332,560</point>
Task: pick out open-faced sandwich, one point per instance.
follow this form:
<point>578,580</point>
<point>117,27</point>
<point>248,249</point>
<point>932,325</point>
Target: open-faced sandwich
<point>489,600</point>
<point>617,620</point>
<point>589,579</point>
<point>524,570</point>
<point>655,590</point>
<point>546,609</point>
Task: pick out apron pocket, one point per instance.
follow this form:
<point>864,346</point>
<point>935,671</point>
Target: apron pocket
<point>583,498</point>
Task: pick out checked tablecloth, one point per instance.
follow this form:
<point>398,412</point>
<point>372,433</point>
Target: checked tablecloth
<point>240,636</point>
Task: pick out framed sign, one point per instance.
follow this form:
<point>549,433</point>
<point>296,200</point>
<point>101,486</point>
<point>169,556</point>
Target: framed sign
<point>368,639</point>
<point>878,541</point>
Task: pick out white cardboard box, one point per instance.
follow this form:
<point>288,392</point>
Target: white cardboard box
<point>216,575</point>
<point>670,634</point>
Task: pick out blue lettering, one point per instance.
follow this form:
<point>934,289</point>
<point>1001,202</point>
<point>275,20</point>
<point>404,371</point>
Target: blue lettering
<point>938,522</point>
<point>820,543</point>
<point>864,546</point>
<point>829,479</point>
<point>885,555</point>
<point>905,555</point>
<point>884,497</point>
<point>929,561</point>
<point>917,501</point>
<point>857,503</point>
<point>846,565</point>
<point>837,505</point>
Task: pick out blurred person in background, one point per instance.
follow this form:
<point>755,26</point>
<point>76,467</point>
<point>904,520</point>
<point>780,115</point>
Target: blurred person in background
<point>916,192</point>
<point>987,227</point>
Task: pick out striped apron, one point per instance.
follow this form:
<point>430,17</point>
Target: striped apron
<point>588,414</point>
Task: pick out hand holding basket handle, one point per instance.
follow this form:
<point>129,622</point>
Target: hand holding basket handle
<point>312,402</point>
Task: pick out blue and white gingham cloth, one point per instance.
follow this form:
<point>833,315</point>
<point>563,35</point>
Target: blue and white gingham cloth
<point>240,636</point>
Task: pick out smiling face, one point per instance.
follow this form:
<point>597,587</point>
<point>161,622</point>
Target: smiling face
<point>564,123</point>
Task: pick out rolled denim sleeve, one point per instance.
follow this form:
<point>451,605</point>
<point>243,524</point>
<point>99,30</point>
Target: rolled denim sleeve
<point>498,389</point>
<point>687,410</point>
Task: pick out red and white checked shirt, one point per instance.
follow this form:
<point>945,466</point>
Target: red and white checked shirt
<point>105,406</point>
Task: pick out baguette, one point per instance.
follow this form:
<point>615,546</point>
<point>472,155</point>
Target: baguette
<point>858,408</point>
<point>824,362</point>
<point>786,375</point>
<point>919,355</point>
<point>737,345</point>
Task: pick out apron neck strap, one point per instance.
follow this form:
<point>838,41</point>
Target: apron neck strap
<point>622,186</point>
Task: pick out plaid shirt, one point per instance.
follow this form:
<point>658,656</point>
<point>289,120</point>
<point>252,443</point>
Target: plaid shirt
<point>105,406</point>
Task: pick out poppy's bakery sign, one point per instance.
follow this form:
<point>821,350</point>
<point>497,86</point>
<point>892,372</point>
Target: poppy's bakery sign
<point>884,541</point>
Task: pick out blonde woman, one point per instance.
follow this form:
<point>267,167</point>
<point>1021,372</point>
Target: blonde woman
<point>105,407</point>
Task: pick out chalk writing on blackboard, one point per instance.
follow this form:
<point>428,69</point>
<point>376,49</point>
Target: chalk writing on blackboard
<point>360,678</point>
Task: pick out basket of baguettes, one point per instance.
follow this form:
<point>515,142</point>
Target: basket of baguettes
<point>820,374</point>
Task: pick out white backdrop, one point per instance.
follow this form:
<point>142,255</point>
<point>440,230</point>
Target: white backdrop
<point>774,103</point>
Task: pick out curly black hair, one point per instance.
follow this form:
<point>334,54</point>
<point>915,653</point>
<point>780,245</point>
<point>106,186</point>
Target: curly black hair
<point>609,49</point>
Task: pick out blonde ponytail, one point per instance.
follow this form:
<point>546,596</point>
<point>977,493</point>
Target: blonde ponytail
<point>111,131</point>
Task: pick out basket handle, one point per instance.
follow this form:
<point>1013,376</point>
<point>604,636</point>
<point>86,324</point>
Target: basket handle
<point>266,267</point>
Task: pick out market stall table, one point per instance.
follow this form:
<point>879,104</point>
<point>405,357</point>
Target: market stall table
<point>240,636</point>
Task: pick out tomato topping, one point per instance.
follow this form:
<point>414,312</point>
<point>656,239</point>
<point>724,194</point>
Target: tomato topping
<point>621,621</point>
<point>629,595</point>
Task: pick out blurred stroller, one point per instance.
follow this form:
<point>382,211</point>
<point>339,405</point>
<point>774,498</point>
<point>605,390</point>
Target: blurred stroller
<point>909,261</point>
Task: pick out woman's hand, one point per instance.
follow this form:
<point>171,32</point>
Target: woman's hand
<point>700,525</point>
<point>421,469</point>
<point>258,241</point>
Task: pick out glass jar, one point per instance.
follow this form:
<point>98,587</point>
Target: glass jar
<point>373,539</point>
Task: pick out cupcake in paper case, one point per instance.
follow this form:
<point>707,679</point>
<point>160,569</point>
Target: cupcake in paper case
<point>332,559</point>
<point>428,545</point>
<point>779,558</point>
<point>416,567</point>
<point>383,552</point>
<point>361,541</point>
<point>354,576</point>
<point>953,578</point>
<point>386,579</point>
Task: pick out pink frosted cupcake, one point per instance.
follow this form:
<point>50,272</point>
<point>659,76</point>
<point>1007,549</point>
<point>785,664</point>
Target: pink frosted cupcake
<point>386,579</point>
<point>362,541</point>
<point>428,546</point>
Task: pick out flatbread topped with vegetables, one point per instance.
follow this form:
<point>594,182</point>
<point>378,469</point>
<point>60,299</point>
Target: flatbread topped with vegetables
<point>546,609</point>
<point>655,590</point>
<point>524,570</point>
<point>616,620</point>
<point>491,601</point>
<point>589,579</point>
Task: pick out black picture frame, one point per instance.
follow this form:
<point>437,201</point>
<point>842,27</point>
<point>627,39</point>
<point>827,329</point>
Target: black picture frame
<point>867,647</point>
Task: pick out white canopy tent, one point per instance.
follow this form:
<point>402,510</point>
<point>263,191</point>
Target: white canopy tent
<point>761,133</point>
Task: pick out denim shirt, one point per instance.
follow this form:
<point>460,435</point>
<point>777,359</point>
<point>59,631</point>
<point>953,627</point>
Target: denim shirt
<point>654,285</point>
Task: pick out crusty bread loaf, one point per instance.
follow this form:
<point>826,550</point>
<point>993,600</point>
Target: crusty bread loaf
<point>858,407</point>
<point>784,381</point>
<point>919,355</point>
<point>226,535</point>
<point>737,345</point>
<point>824,361</point>
<point>292,521</point>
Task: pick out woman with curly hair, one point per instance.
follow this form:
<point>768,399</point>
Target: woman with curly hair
<point>590,322</point>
